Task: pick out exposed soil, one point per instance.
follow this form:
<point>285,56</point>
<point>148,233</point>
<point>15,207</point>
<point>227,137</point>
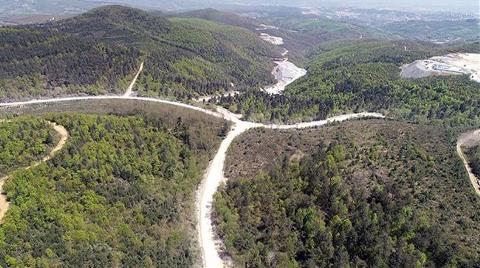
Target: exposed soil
<point>451,64</point>
<point>466,141</point>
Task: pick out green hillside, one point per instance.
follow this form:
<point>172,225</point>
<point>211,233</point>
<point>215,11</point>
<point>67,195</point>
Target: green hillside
<point>370,193</point>
<point>24,141</point>
<point>43,61</point>
<point>473,155</point>
<point>436,31</point>
<point>99,51</point>
<point>119,193</point>
<point>222,17</point>
<point>365,76</point>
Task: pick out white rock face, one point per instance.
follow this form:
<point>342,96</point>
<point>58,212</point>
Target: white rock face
<point>450,64</point>
<point>285,73</point>
<point>264,27</point>
<point>278,41</point>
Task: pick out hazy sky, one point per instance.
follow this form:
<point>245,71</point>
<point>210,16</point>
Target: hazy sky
<point>468,5</point>
<point>465,5</point>
<point>54,6</point>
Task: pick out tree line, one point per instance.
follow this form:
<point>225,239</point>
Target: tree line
<point>364,76</point>
<point>120,193</point>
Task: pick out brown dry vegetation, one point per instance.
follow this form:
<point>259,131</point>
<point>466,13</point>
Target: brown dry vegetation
<point>421,160</point>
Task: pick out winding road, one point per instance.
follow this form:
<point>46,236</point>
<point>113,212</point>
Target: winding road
<point>4,204</point>
<point>211,246</point>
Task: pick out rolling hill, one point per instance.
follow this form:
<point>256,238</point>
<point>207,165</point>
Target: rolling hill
<point>368,193</point>
<point>365,76</point>
<point>97,52</point>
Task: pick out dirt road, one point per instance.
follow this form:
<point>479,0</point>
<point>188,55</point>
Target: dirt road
<point>129,90</point>
<point>209,243</point>
<point>469,140</point>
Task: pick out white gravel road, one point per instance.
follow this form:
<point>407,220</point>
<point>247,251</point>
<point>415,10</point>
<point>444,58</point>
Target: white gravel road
<point>468,140</point>
<point>211,246</point>
<point>129,90</point>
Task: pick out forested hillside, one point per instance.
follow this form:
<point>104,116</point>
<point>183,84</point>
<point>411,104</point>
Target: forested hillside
<point>221,17</point>
<point>364,76</point>
<point>300,33</point>
<point>45,61</point>
<point>207,58</point>
<point>97,52</point>
<point>22,142</point>
<point>120,193</point>
<point>436,30</point>
<point>368,193</point>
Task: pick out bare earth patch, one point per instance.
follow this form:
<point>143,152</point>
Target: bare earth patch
<point>450,64</point>
<point>466,141</point>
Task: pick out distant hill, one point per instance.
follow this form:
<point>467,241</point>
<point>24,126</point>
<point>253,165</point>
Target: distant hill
<point>221,17</point>
<point>444,31</point>
<point>57,7</point>
<point>97,52</point>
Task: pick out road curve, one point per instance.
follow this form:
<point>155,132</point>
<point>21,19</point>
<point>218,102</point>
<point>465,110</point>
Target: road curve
<point>4,204</point>
<point>109,97</point>
<point>210,245</point>
<point>467,140</point>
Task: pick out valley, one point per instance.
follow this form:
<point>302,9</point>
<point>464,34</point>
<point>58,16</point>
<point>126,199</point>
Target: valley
<point>185,149</point>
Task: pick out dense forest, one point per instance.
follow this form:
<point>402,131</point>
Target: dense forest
<point>214,58</point>
<point>301,33</point>
<point>23,141</point>
<point>45,61</point>
<point>369,193</point>
<point>364,76</point>
<point>99,51</point>
<point>120,193</point>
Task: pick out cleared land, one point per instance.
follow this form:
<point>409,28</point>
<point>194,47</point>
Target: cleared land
<point>450,64</point>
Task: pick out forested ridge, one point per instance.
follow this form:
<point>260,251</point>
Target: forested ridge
<point>364,76</point>
<point>216,58</point>
<point>119,193</point>
<point>43,61</point>
<point>368,193</point>
<point>99,51</point>
<point>23,141</point>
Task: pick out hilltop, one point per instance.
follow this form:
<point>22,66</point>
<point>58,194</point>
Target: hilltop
<point>223,17</point>
<point>97,52</point>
